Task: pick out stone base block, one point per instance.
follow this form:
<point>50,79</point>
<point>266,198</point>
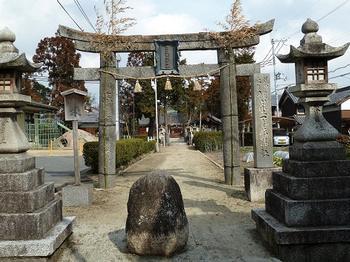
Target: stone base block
<point>26,181</point>
<point>26,202</point>
<point>303,188</point>
<point>317,168</point>
<point>303,244</point>
<point>34,225</point>
<point>257,181</point>
<point>317,151</point>
<point>77,195</point>
<point>16,163</point>
<point>308,212</point>
<point>37,249</point>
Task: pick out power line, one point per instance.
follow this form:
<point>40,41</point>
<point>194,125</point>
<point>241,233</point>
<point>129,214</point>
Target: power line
<point>342,75</point>
<point>269,60</point>
<point>333,10</point>
<point>81,9</point>
<point>324,16</point>
<point>342,67</point>
<point>69,16</point>
<point>267,55</point>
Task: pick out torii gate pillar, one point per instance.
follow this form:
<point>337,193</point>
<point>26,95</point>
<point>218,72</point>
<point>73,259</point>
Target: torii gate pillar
<point>229,116</point>
<point>107,120</point>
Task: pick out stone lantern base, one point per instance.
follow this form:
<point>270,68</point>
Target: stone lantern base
<point>307,214</point>
<point>311,244</point>
<point>31,223</point>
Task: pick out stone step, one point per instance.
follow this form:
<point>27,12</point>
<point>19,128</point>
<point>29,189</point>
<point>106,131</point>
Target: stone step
<point>330,212</point>
<point>309,188</point>
<point>317,168</point>
<point>317,151</point>
<point>21,182</point>
<point>16,163</point>
<point>29,226</point>
<point>26,202</point>
<point>36,250</point>
<point>312,244</point>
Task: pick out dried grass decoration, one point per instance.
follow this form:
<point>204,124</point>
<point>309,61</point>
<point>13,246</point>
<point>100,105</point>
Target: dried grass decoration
<point>236,28</point>
<point>110,24</point>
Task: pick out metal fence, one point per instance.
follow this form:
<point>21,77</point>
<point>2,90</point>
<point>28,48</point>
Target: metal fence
<point>42,130</point>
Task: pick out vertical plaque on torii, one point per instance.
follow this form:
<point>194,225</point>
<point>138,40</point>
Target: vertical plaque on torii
<point>167,57</point>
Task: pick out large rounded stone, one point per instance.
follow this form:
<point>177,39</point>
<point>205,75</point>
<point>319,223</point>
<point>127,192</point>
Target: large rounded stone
<point>157,222</point>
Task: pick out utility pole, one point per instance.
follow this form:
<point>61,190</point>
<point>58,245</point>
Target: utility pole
<point>154,86</point>
<point>274,76</point>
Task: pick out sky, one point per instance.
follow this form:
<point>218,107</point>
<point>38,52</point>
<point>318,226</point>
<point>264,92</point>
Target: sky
<point>32,20</point>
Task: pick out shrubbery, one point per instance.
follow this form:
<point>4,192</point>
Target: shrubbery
<point>126,150</point>
<point>278,161</point>
<point>208,141</point>
<point>345,140</point>
<point>143,137</point>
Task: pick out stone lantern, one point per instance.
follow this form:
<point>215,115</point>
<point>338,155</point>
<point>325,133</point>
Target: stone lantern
<point>12,65</point>
<point>313,89</point>
<point>307,213</point>
<point>31,222</point>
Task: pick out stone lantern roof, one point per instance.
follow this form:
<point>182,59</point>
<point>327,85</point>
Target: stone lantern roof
<point>311,46</point>
<point>9,54</point>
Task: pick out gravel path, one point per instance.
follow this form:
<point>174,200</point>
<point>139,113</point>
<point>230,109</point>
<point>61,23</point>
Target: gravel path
<point>219,215</point>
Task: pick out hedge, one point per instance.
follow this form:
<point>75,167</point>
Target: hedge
<point>345,141</point>
<point>126,150</point>
<point>208,141</point>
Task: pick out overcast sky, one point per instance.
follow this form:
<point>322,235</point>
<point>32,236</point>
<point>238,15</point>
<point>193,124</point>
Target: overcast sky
<point>33,20</point>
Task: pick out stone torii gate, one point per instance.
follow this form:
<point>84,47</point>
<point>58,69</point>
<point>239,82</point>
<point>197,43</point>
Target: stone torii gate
<point>108,73</point>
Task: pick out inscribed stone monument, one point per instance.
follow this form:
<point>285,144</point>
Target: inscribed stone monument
<point>262,121</point>
<point>259,178</point>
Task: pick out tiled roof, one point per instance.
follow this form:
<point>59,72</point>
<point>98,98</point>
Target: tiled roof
<point>339,96</point>
<point>299,119</point>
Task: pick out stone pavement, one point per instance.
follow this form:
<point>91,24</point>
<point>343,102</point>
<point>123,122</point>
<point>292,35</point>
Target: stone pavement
<point>221,228</point>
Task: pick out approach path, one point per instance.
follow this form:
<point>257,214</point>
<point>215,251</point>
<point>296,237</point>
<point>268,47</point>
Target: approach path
<point>219,215</point>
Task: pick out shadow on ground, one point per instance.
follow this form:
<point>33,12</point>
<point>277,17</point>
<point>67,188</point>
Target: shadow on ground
<point>231,192</point>
<point>195,181</point>
<point>215,232</point>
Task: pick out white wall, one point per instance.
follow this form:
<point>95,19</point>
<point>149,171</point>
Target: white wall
<point>346,105</point>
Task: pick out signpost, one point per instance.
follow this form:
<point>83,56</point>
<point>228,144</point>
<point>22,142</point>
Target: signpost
<point>74,108</point>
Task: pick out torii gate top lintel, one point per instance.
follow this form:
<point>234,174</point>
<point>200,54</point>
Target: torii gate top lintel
<point>89,42</point>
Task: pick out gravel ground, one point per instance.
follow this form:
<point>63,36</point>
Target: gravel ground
<point>219,215</point>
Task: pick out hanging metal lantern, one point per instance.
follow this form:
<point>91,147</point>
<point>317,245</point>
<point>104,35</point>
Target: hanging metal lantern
<point>168,86</point>
<point>138,87</point>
